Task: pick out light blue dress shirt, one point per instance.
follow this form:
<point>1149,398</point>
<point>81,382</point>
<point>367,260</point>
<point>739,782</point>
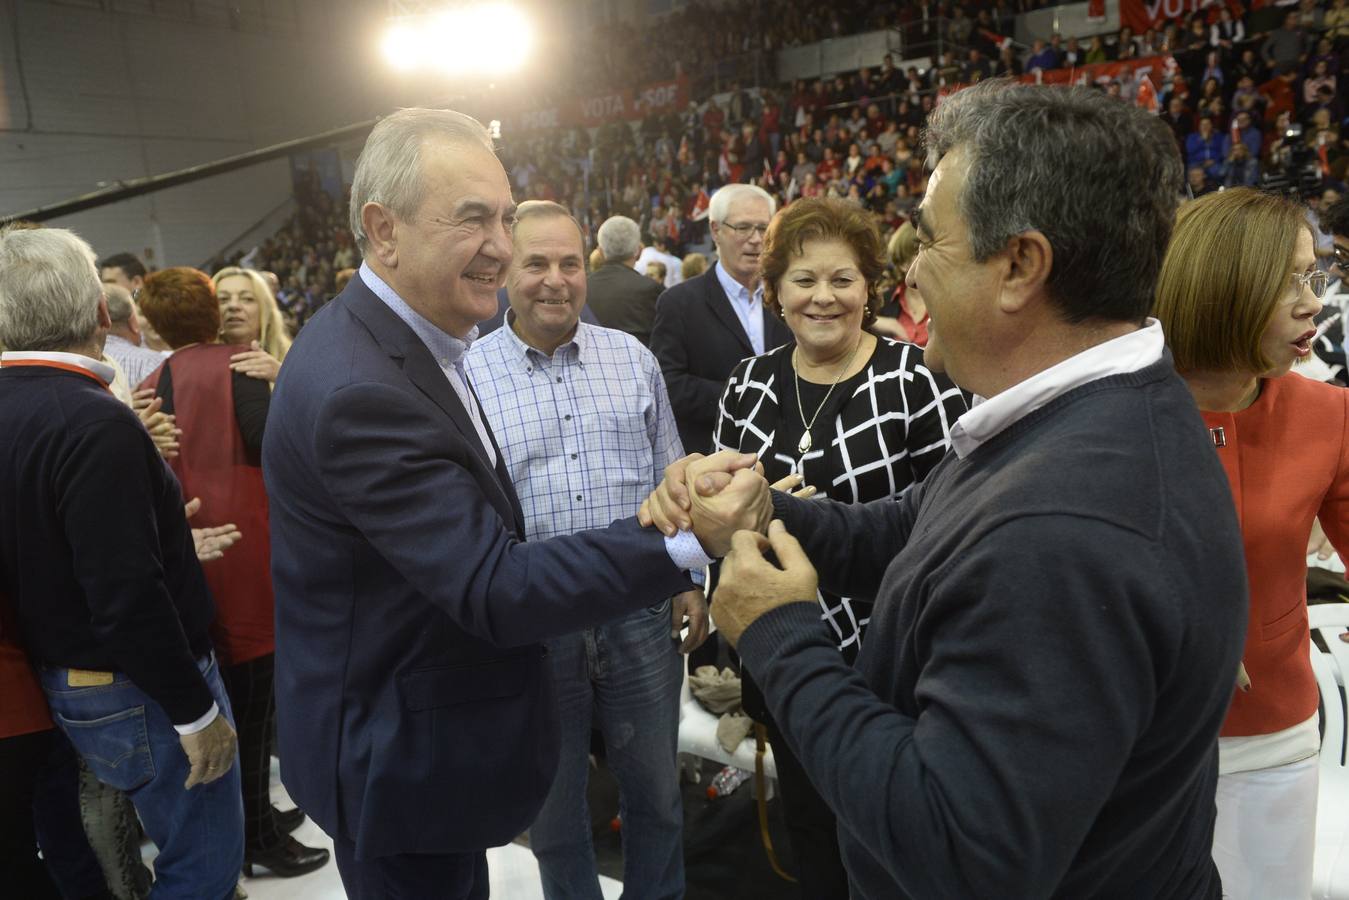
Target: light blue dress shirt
<point>748,307</point>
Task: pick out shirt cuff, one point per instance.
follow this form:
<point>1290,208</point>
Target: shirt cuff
<point>698,577</point>
<point>686,552</point>
<point>200,724</point>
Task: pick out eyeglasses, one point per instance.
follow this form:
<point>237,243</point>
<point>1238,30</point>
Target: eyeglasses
<point>1342,258</point>
<point>745,229</point>
<point>1318,281</point>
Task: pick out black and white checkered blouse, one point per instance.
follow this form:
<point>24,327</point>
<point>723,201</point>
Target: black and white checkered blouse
<point>879,432</point>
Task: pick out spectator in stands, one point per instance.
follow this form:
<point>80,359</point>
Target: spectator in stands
<point>624,676</point>
<point>1227,32</point>
<point>1096,52</point>
<point>1198,182</point>
<point>980,747</point>
<point>706,325</point>
<point>821,262</point>
<point>620,297</point>
<point>1204,148</point>
<point>112,606</point>
<point>223,415</point>
<point>1178,119</point>
<point>1321,77</point>
<point>1041,57</point>
<point>1243,131</point>
<point>1239,169</point>
<point>1337,21</point>
<point>1073,55</point>
<point>1286,46</point>
<point>250,318</point>
<point>1237,295</point>
<point>124,342</point>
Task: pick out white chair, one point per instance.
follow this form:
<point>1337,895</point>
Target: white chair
<point>1330,871</point>
<point>698,738</point>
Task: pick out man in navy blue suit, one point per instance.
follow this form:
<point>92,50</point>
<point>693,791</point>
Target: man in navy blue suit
<point>415,715</point>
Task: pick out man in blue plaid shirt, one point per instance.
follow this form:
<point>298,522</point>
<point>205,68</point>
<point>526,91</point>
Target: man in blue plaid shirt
<point>584,422</point>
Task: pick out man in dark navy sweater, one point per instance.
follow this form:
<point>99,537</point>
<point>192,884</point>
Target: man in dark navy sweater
<point>98,561</point>
<point>1061,605</point>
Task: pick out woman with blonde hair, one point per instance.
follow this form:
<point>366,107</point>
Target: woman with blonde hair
<point>1236,298</point>
<point>694,264</point>
<point>905,317</point>
<point>249,315</point>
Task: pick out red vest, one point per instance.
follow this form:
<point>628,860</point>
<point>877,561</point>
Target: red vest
<point>214,464</point>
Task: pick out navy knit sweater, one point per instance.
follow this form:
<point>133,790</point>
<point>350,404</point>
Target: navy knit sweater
<point>95,554</point>
<point>1059,620</point>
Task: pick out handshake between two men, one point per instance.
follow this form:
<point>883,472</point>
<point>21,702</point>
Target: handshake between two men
<point>726,502</point>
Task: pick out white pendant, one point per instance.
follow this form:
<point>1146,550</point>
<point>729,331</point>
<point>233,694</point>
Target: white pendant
<point>804,444</point>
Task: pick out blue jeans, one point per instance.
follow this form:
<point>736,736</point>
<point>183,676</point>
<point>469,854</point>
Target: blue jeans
<point>626,676</point>
<point>128,742</point>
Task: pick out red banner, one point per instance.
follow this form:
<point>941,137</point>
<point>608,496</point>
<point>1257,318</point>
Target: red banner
<point>1129,71</point>
<point>597,109</point>
<point>1140,15</point>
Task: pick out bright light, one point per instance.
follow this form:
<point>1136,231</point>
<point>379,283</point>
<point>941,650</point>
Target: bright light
<point>486,39</point>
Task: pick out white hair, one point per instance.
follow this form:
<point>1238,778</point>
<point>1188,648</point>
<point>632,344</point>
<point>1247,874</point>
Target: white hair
<point>619,238</point>
<point>389,171</point>
<point>724,197</point>
<point>49,289</point>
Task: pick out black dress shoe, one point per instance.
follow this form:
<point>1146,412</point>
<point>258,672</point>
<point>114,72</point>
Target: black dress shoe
<point>289,820</point>
<point>290,859</point>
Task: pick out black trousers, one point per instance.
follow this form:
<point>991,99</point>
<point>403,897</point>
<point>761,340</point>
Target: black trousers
<point>411,876</point>
<point>39,804</point>
<point>249,686</point>
<point>811,824</point>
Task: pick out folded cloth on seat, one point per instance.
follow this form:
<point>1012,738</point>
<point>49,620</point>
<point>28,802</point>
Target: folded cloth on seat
<point>719,694</point>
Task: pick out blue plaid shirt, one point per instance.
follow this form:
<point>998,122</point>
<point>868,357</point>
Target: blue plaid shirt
<point>586,433</point>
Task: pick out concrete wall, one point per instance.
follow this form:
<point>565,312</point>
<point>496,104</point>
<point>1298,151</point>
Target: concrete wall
<point>1070,21</point>
<point>89,97</point>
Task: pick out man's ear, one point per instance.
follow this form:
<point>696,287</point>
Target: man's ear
<point>1030,260</point>
<point>381,233</point>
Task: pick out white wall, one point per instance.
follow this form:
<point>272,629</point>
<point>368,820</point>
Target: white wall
<point>1070,21</point>
<point>117,96</point>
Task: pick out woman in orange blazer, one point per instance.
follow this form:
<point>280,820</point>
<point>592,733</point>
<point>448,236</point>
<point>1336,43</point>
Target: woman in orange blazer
<point>1236,298</point>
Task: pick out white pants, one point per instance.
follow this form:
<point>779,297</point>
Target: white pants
<point>1265,835</point>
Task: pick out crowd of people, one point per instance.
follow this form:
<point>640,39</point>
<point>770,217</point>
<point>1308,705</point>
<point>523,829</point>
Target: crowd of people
<point>427,563</point>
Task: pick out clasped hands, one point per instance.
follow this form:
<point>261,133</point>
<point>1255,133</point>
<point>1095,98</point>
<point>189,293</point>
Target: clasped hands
<point>725,501</point>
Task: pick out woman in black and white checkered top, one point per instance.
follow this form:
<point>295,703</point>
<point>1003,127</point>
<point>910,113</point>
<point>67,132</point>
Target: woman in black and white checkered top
<point>858,417</point>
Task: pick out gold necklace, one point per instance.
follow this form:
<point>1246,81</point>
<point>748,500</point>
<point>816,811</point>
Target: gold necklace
<point>803,445</point>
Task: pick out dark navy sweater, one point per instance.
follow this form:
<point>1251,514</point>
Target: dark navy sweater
<point>95,553</point>
<point>1059,620</point>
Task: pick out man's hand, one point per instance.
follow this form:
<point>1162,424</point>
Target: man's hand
<point>210,543</point>
<point>256,363</point>
<point>693,606</point>
<point>162,427</point>
<point>723,503</point>
<point>668,506</point>
<point>209,751</point>
<point>751,585</point>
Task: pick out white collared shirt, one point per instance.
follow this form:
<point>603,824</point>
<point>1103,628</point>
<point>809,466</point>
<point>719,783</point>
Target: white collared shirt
<point>99,369</point>
<point>447,350</point>
<point>1127,353</point>
<point>748,307</point>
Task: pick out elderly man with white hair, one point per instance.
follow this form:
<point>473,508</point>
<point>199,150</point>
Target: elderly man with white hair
<point>706,325</point>
<point>621,297</point>
<point>416,712</point>
<point>99,570</point>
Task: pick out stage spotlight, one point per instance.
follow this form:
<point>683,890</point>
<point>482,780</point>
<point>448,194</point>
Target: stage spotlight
<point>482,39</point>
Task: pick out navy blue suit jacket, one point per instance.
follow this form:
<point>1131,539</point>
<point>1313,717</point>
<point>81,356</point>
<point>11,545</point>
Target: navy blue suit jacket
<point>699,341</point>
<point>415,710</point>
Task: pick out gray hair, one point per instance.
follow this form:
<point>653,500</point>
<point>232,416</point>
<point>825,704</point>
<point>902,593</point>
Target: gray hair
<point>1101,180</point>
<point>619,238</point>
<point>546,209</point>
<point>724,197</point>
<point>389,171</point>
<point>49,289</point>
<point>120,306</point>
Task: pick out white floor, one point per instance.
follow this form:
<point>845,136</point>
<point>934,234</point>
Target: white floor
<point>515,874</point>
